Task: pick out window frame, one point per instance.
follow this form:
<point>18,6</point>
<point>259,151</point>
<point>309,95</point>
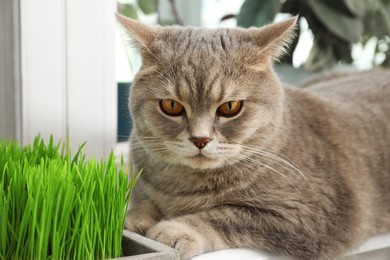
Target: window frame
<point>68,72</point>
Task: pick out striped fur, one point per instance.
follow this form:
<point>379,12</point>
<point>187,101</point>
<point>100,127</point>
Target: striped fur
<point>300,172</point>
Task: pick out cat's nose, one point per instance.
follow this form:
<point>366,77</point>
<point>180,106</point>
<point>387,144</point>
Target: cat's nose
<point>200,142</point>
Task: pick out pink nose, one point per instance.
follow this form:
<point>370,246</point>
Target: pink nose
<point>200,142</point>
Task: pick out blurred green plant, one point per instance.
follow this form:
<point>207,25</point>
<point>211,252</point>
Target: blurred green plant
<point>136,8</point>
<point>132,9</point>
<point>336,26</point>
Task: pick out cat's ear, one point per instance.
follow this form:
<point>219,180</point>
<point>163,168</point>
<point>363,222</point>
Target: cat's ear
<point>141,34</point>
<point>274,39</point>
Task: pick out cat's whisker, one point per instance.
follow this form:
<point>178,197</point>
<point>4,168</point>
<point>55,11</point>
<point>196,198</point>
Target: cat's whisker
<point>277,160</point>
<point>172,71</point>
<point>284,158</point>
<point>148,140</point>
<point>245,158</point>
<point>240,170</point>
<point>148,137</point>
<point>163,65</point>
<point>145,47</point>
<point>164,77</point>
<point>173,161</point>
<point>160,147</point>
<point>151,148</point>
<point>144,140</point>
<point>136,146</point>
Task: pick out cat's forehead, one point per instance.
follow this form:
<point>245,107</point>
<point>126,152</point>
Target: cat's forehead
<point>199,42</point>
<point>256,48</point>
<point>201,67</point>
<point>197,67</point>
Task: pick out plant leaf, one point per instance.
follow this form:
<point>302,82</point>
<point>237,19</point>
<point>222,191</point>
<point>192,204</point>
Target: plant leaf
<point>345,27</point>
<point>257,12</point>
<point>358,7</point>
<point>147,6</point>
<point>320,57</point>
<point>128,10</point>
<point>384,10</point>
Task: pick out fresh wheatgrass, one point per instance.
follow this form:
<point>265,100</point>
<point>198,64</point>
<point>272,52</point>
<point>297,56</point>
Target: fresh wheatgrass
<point>54,206</point>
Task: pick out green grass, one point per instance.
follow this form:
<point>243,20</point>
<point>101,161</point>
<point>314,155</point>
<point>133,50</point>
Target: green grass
<point>55,206</point>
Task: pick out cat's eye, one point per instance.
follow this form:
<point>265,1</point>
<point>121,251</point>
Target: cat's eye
<point>171,107</point>
<point>230,109</point>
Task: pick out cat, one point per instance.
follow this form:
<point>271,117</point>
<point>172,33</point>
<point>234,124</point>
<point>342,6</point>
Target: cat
<point>231,158</point>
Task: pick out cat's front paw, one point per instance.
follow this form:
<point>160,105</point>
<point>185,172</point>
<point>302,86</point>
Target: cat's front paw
<point>180,236</point>
<point>138,222</point>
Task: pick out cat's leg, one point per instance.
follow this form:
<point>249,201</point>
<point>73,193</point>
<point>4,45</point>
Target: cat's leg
<point>190,235</point>
<point>230,227</point>
<point>202,232</point>
<point>142,217</point>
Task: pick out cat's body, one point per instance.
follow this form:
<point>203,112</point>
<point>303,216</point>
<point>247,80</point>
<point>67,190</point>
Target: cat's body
<point>301,172</point>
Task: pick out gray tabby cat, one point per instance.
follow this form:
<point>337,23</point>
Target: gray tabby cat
<point>233,159</point>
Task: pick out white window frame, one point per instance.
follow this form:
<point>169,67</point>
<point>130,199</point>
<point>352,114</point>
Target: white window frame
<point>9,70</point>
<point>68,72</point>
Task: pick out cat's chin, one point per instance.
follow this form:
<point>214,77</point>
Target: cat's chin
<point>201,162</point>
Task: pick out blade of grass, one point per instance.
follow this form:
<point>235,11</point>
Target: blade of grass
<point>54,206</point>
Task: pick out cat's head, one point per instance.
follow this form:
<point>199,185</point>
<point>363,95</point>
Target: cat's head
<point>204,98</point>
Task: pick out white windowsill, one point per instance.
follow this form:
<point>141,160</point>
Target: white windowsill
<point>376,248</point>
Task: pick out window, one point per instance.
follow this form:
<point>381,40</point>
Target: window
<point>67,71</point>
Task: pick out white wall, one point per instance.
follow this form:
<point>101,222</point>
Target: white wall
<point>68,74</point>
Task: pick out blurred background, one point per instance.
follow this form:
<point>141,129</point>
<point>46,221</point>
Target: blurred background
<point>65,65</point>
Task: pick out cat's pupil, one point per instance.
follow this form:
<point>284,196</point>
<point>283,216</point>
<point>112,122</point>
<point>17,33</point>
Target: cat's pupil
<point>230,105</point>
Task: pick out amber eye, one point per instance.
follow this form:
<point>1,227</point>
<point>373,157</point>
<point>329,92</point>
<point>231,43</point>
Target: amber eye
<point>230,109</point>
<point>171,107</point>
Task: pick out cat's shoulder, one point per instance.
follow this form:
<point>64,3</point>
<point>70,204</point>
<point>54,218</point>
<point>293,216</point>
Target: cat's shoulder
<point>352,92</point>
<point>349,79</point>
<point>351,85</point>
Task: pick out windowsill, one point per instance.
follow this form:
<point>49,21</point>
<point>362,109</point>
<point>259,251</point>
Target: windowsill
<point>377,248</point>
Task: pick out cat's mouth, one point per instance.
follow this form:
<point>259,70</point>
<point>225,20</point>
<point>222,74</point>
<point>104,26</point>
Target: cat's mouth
<point>201,161</point>
<point>201,156</point>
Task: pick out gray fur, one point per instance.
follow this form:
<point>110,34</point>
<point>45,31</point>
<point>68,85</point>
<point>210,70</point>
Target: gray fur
<point>300,172</point>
